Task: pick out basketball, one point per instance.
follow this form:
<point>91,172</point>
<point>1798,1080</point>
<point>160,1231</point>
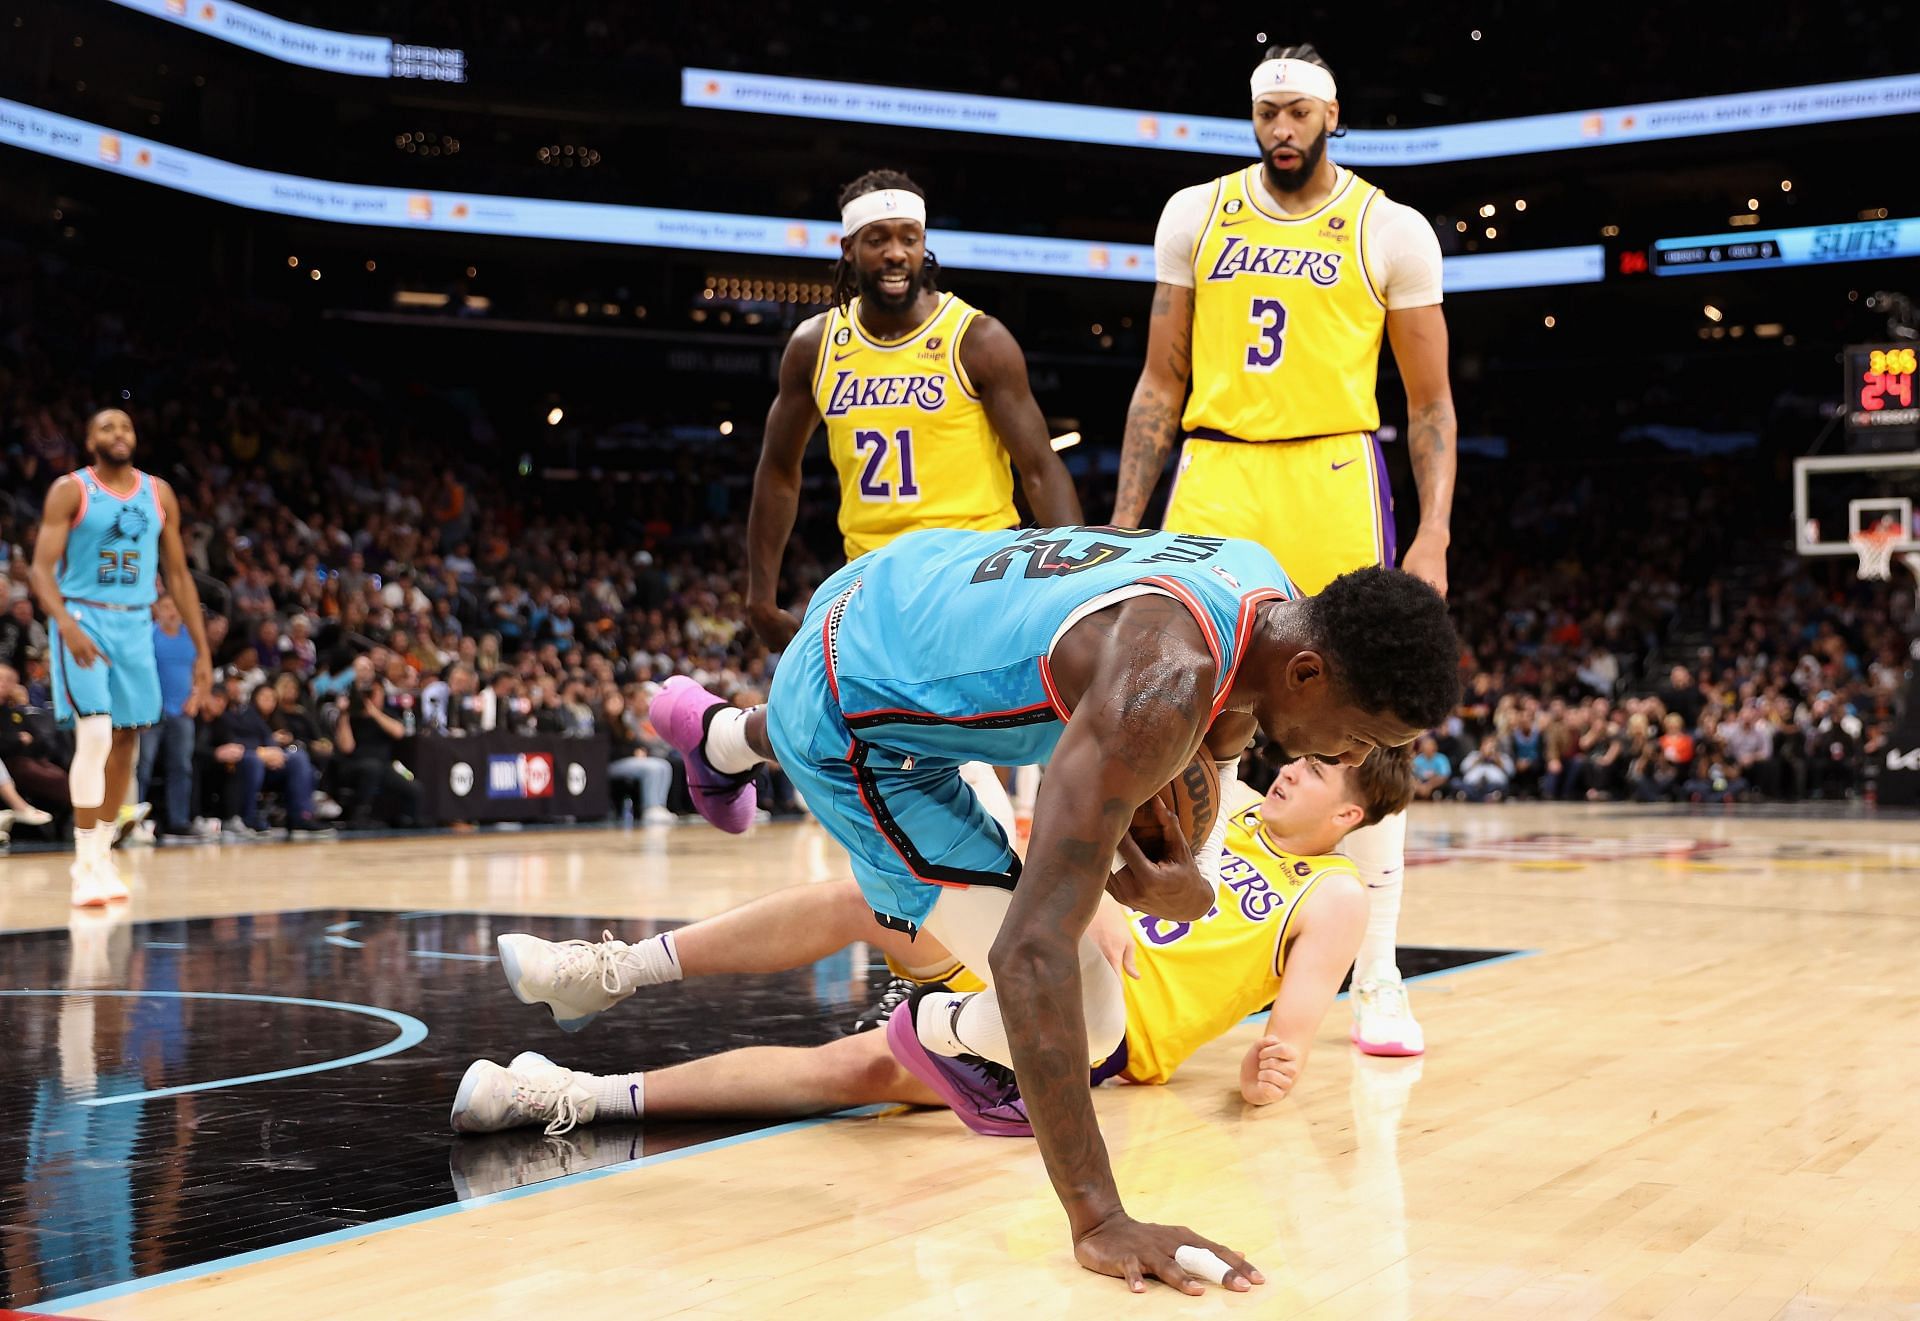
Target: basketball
<point>1193,796</point>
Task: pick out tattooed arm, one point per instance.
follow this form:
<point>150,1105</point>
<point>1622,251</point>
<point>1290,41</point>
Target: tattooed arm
<point>1419,339</point>
<point>1139,677</point>
<point>1153,418</point>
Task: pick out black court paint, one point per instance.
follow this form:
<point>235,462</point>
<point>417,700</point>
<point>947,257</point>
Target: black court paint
<point>97,1195</point>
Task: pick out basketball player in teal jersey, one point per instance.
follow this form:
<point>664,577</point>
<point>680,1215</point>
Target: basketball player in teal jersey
<point>1114,656</point>
<point>107,532</point>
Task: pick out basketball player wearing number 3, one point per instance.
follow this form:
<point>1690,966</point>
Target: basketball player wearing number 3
<point>1275,284</point>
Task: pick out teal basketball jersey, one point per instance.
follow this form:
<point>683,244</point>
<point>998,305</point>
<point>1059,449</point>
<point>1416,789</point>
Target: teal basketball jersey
<point>941,649</point>
<point>113,549</point>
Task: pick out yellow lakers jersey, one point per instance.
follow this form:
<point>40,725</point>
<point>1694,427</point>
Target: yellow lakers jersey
<point>1286,318</point>
<point>1197,979</point>
<point>907,432</point>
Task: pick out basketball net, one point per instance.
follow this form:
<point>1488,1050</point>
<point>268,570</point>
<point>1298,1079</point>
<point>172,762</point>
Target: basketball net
<point>1874,545</point>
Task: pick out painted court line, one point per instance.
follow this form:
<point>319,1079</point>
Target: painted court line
<point>412,1033</point>
<point>185,1273</point>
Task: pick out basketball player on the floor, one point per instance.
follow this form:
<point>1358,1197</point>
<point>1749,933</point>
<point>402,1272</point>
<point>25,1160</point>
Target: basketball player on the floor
<point>1286,922</point>
<point>106,535</point>
<point>926,403</point>
<point>1274,284</point>
<point>1111,656</point>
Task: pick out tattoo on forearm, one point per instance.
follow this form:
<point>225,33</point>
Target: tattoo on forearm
<point>1151,423</point>
<point>1430,442</point>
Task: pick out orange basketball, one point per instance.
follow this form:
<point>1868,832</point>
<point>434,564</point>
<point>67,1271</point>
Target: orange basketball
<point>1193,796</point>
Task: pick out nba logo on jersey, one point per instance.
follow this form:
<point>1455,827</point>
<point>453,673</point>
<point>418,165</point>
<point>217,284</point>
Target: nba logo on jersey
<point>522,775</point>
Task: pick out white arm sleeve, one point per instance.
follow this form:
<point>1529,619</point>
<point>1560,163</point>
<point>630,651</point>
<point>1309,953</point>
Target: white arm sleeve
<point>1181,221</point>
<point>1208,858</point>
<point>1403,255</point>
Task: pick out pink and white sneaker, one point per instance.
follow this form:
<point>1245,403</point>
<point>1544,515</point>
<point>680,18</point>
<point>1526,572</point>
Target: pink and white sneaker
<point>984,1095</point>
<point>681,712</point>
<point>1383,1022</point>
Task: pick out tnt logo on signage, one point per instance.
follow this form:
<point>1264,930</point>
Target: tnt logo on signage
<point>523,775</point>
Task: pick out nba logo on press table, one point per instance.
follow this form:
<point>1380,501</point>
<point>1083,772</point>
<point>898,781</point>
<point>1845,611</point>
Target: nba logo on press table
<point>521,775</point>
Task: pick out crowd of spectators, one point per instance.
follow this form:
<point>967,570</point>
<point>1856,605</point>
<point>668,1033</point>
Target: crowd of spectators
<point>371,575</point>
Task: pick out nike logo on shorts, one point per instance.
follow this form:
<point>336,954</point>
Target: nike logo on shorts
<point>1338,466</point>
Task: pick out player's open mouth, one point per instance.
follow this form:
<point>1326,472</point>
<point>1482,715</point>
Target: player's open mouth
<point>894,284</point>
<point>1286,158</point>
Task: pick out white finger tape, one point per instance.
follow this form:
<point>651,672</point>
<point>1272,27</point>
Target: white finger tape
<point>1203,1262</point>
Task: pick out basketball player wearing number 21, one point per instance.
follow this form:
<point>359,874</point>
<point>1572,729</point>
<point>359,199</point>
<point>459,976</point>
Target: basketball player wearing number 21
<point>107,533</point>
<point>927,408</point>
<point>1274,285</point>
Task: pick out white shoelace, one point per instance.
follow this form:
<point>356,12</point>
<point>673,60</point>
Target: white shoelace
<point>1388,998</point>
<point>604,956</point>
<point>536,1098</point>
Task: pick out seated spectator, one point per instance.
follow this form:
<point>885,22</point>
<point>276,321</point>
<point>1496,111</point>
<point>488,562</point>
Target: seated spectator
<point>1748,740</point>
<point>1676,744</point>
<point>31,747</point>
<point>367,737</point>
<point>1486,773</point>
<point>1432,772</point>
<point>1524,747</point>
<point>1717,783</point>
<point>15,810</point>
<point>271,758</point>
<point>297,650</point>
<point>21,635</point>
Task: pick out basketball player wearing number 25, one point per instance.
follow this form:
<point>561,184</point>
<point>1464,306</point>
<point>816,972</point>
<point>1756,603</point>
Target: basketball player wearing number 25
<point>1112,656</point>
<point>1275,284</point>
<point>107,534</point>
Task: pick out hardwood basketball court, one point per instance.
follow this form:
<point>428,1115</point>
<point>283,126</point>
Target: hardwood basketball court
<point>1690,1093</point>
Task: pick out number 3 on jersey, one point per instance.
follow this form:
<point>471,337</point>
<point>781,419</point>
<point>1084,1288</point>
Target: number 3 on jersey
<point>874,444</point>
<point>1271,316</point>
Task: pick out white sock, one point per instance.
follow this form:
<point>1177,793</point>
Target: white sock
<point>1379,852</point>
<point>617,1096</point>
<point>726,745</point>
<point>91,845</point>
<point>983,1033</point>
<point>650,962</point>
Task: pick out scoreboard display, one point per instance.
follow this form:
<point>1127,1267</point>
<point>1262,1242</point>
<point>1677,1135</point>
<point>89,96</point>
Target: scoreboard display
<point>1880,393</point>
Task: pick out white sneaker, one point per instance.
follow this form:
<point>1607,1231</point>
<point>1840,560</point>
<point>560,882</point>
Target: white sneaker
<point>657,816</point>
<point>6,829</point>
<point>325,809</point>
<point>96,886</point>
<point>29,816</point>
<point>128,820</point>
<point>531,1090</point>
<point>1383,1022</point>
<point>577,979</point>
<point>142,836</point>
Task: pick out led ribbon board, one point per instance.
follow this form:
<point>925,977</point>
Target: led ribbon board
<point>651,227</point>
<point>315,48</point>
<point>1053,121</point>
<point>1815,245</point>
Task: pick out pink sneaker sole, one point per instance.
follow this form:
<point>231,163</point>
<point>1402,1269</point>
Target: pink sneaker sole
<point>679,715</point>
<point>951,1080</point>
<point>1388,1049</point>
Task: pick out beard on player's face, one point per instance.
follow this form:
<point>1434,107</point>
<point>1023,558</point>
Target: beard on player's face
<point>1294,179</point>
<point>874,293</point>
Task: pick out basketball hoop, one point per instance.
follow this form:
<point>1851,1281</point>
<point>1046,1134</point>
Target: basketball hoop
<point>1874,546</point>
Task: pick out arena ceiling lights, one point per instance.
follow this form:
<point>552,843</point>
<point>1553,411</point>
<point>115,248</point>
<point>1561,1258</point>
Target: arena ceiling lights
<point>314,48</point>
<point>901,107</point>
<point>75,140</point>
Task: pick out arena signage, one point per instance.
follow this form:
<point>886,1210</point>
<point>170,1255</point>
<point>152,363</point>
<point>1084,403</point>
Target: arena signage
<point>190,172</point>
<point>1054,121</point>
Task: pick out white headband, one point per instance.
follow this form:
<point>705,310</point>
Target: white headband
<point>882,204</point>
<point>1296,76</point>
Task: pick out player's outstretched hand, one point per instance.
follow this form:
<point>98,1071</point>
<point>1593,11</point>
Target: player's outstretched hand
<point>79,645</point>
<point>1268,1071</point>
<point>1136,1251</point>
<point>772,625</point>
<point>1170,887</point>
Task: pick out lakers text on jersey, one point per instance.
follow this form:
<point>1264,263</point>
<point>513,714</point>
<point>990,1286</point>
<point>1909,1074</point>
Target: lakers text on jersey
<point>1198,979</point>
<point>1287,321</point>
<point>907,432</point>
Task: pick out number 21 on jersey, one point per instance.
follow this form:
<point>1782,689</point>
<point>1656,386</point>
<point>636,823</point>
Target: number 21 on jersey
<point>875,444</point>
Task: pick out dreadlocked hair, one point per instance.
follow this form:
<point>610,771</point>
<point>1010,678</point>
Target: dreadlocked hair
<point>844,284</point>
<point>1306,54</point>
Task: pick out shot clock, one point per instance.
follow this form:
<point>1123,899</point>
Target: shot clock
<point>1881,394</point>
